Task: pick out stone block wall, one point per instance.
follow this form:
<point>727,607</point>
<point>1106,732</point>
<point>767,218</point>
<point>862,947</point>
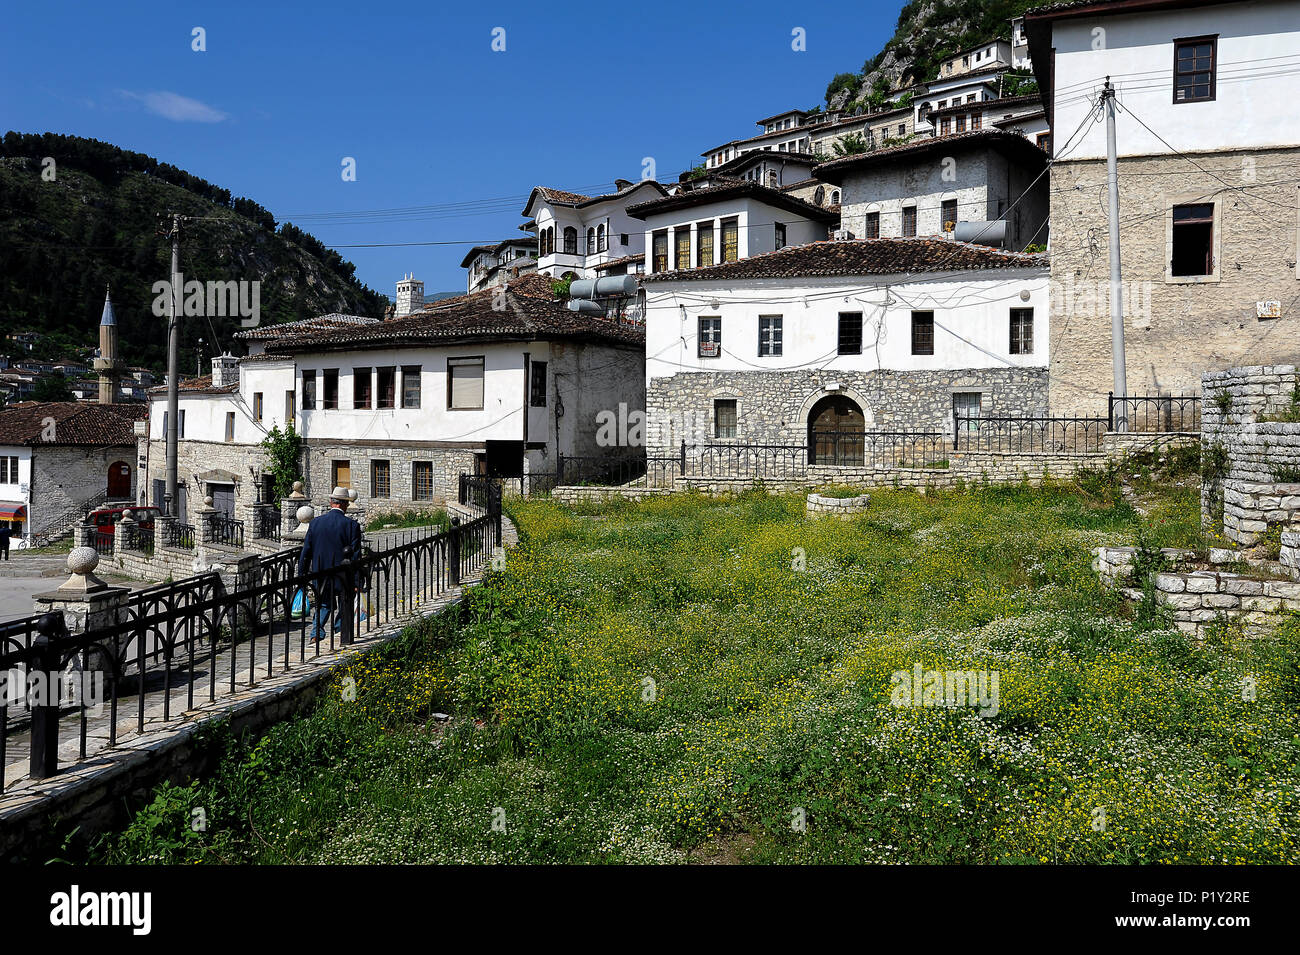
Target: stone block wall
<point>772,406</point>
<point>1249,509</point>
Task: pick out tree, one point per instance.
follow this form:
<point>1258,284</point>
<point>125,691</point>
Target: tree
<point>52,388</point>
<point>284,449</point>
<point>851,145</point>
<point>842,81</point>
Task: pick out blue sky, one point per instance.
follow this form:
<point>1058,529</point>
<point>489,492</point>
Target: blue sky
<point>416,95</point>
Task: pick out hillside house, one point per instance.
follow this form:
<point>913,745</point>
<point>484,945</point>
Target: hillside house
<point>1209,160</point>
<point>576,233</point>
<point>847,336</point>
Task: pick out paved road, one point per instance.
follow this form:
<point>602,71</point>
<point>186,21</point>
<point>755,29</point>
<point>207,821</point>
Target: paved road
<point>24,575</point>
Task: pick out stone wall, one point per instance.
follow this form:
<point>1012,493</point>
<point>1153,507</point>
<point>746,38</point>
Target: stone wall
<point>819,505</point>
<point>64,478</point>
<point>772,406</point>
<point>1174,330</point>
<point>1199,597</point>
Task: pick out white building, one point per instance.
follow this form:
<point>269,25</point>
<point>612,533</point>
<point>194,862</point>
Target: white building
<point>1208,145</point>
<point>986,185</point>
<point>491,265</point>
<point>576,233</point>
<point>883,335</point>
<point>726,222</point>
<point>398,409</point>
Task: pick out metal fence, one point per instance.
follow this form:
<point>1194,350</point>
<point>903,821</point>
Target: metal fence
<point>267,522</point>
<point>1150,414</point>
<point>226,530</point>
<point>1028,435</point>
<point>178,535</point>
<point>197,637</point>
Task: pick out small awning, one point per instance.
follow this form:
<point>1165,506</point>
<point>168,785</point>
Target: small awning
<point>10,511</point>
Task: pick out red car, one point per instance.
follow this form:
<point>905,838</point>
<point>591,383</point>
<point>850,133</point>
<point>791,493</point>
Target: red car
<point>105,518</point>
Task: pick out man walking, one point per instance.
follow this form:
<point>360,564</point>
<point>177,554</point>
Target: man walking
<point>6,529</point>
<point>331,539</point>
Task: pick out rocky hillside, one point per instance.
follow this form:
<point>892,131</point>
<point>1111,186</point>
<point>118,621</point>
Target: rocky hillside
<point>928,32</point>
<point>96,223</point>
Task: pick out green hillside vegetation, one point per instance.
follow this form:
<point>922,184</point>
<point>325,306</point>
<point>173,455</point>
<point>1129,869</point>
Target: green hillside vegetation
<point>97,223</point>
<point>928,32</point>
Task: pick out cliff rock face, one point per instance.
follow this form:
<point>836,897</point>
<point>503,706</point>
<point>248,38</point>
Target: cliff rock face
<point>91,218</point>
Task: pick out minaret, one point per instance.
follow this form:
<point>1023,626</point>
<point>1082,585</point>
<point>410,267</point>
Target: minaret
<point>108,364</point>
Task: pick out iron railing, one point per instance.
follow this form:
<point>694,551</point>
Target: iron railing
<point>102,541</point>
<point>226,530</point>
<point>1148,414</point>
<point>136,536</point>
<point>1027,435</point>
<point>179,641</point>
<point>267,523</point>
<point>179,535</point>
<point>597,469</point>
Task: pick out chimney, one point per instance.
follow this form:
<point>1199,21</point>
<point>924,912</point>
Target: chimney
<point>225,370</point>
<point>410,295</point>
<point>621,184</point>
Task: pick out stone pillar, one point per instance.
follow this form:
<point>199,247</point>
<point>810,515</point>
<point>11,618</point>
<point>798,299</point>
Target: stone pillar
<point>163,530</point>
<point>86,602</point>
<point>83,535</point>
<point>289,509</point>
<point>205,515</point>
<point>123,537</point>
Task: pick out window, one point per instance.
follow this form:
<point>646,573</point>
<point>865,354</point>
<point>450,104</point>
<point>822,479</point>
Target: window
<point>974,120</point>
<point>779,238</point>
<point>769,335</point>
<point>386,386</point>
<point>873,225</point>
<point>1194,69</point>
<point>970,98</point>
<point>308,390</point>
<point>902,129</point>
<point>257,406</point>
<point>1193,240</point>
<point>909,220</point>
<point>180,426</point>
<point>422,480</point>
<point>1045,142</point>
<point>945,126</point>
<point>966,406</point>
<point>465,384</point>
<point>819,197</point>
<point>730,240</point>
<point>230,426</point>
<point>381,484</point>
<point>600,238</point>
<point>949,214</point>
<point>850,335</point>
<point>682,256</point>
<point>923,333</point>
<point>342,472</point>
<point>622,238</point>
<point>961,122</point>
<point>8,470</point>
<point>411,386</point>
<point>289,406</point>
<point>537,385</point>
<point>659,255</point>
<point>591,239</point>
<point>704,244</point>
<point>330,388</point>
<point>710,339</point>
<point>724,417</point>
<point>361,388</point>
<point>570,240</point>
<point>1022,331</point>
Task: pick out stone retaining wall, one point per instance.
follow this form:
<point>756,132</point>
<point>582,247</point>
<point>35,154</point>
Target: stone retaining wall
<point>1249,509</point>
<point>836,506</point>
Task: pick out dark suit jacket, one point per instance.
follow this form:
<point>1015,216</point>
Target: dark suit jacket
<point>331,538</point>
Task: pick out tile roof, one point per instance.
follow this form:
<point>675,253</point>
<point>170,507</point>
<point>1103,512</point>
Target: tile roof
<point>859,257</point>
<point>621,260</point>
<point>561,198</point>
<point>75,423</point>
<point>497,247</point>
<point>735,189</point>
<point>833,170</point>
<point>202,384</point>
<point>304,326</point>
<point>527,316</point>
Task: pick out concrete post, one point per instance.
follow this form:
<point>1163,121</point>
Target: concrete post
<point>206,513</point>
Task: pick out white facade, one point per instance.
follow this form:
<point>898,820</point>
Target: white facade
<point>15,488</point>
<point>1257,58</point>
<point>756,229</point>
<point>971,321</point>
<point>574,238</point>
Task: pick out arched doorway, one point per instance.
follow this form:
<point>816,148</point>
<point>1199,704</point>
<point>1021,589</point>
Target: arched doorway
<point>119,481</point>
<point>836,432</point>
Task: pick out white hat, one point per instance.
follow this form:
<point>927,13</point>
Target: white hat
<point>342,494</point>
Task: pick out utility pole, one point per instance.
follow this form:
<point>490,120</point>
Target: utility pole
<point>173,371</point>
<point>1116,287</point>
